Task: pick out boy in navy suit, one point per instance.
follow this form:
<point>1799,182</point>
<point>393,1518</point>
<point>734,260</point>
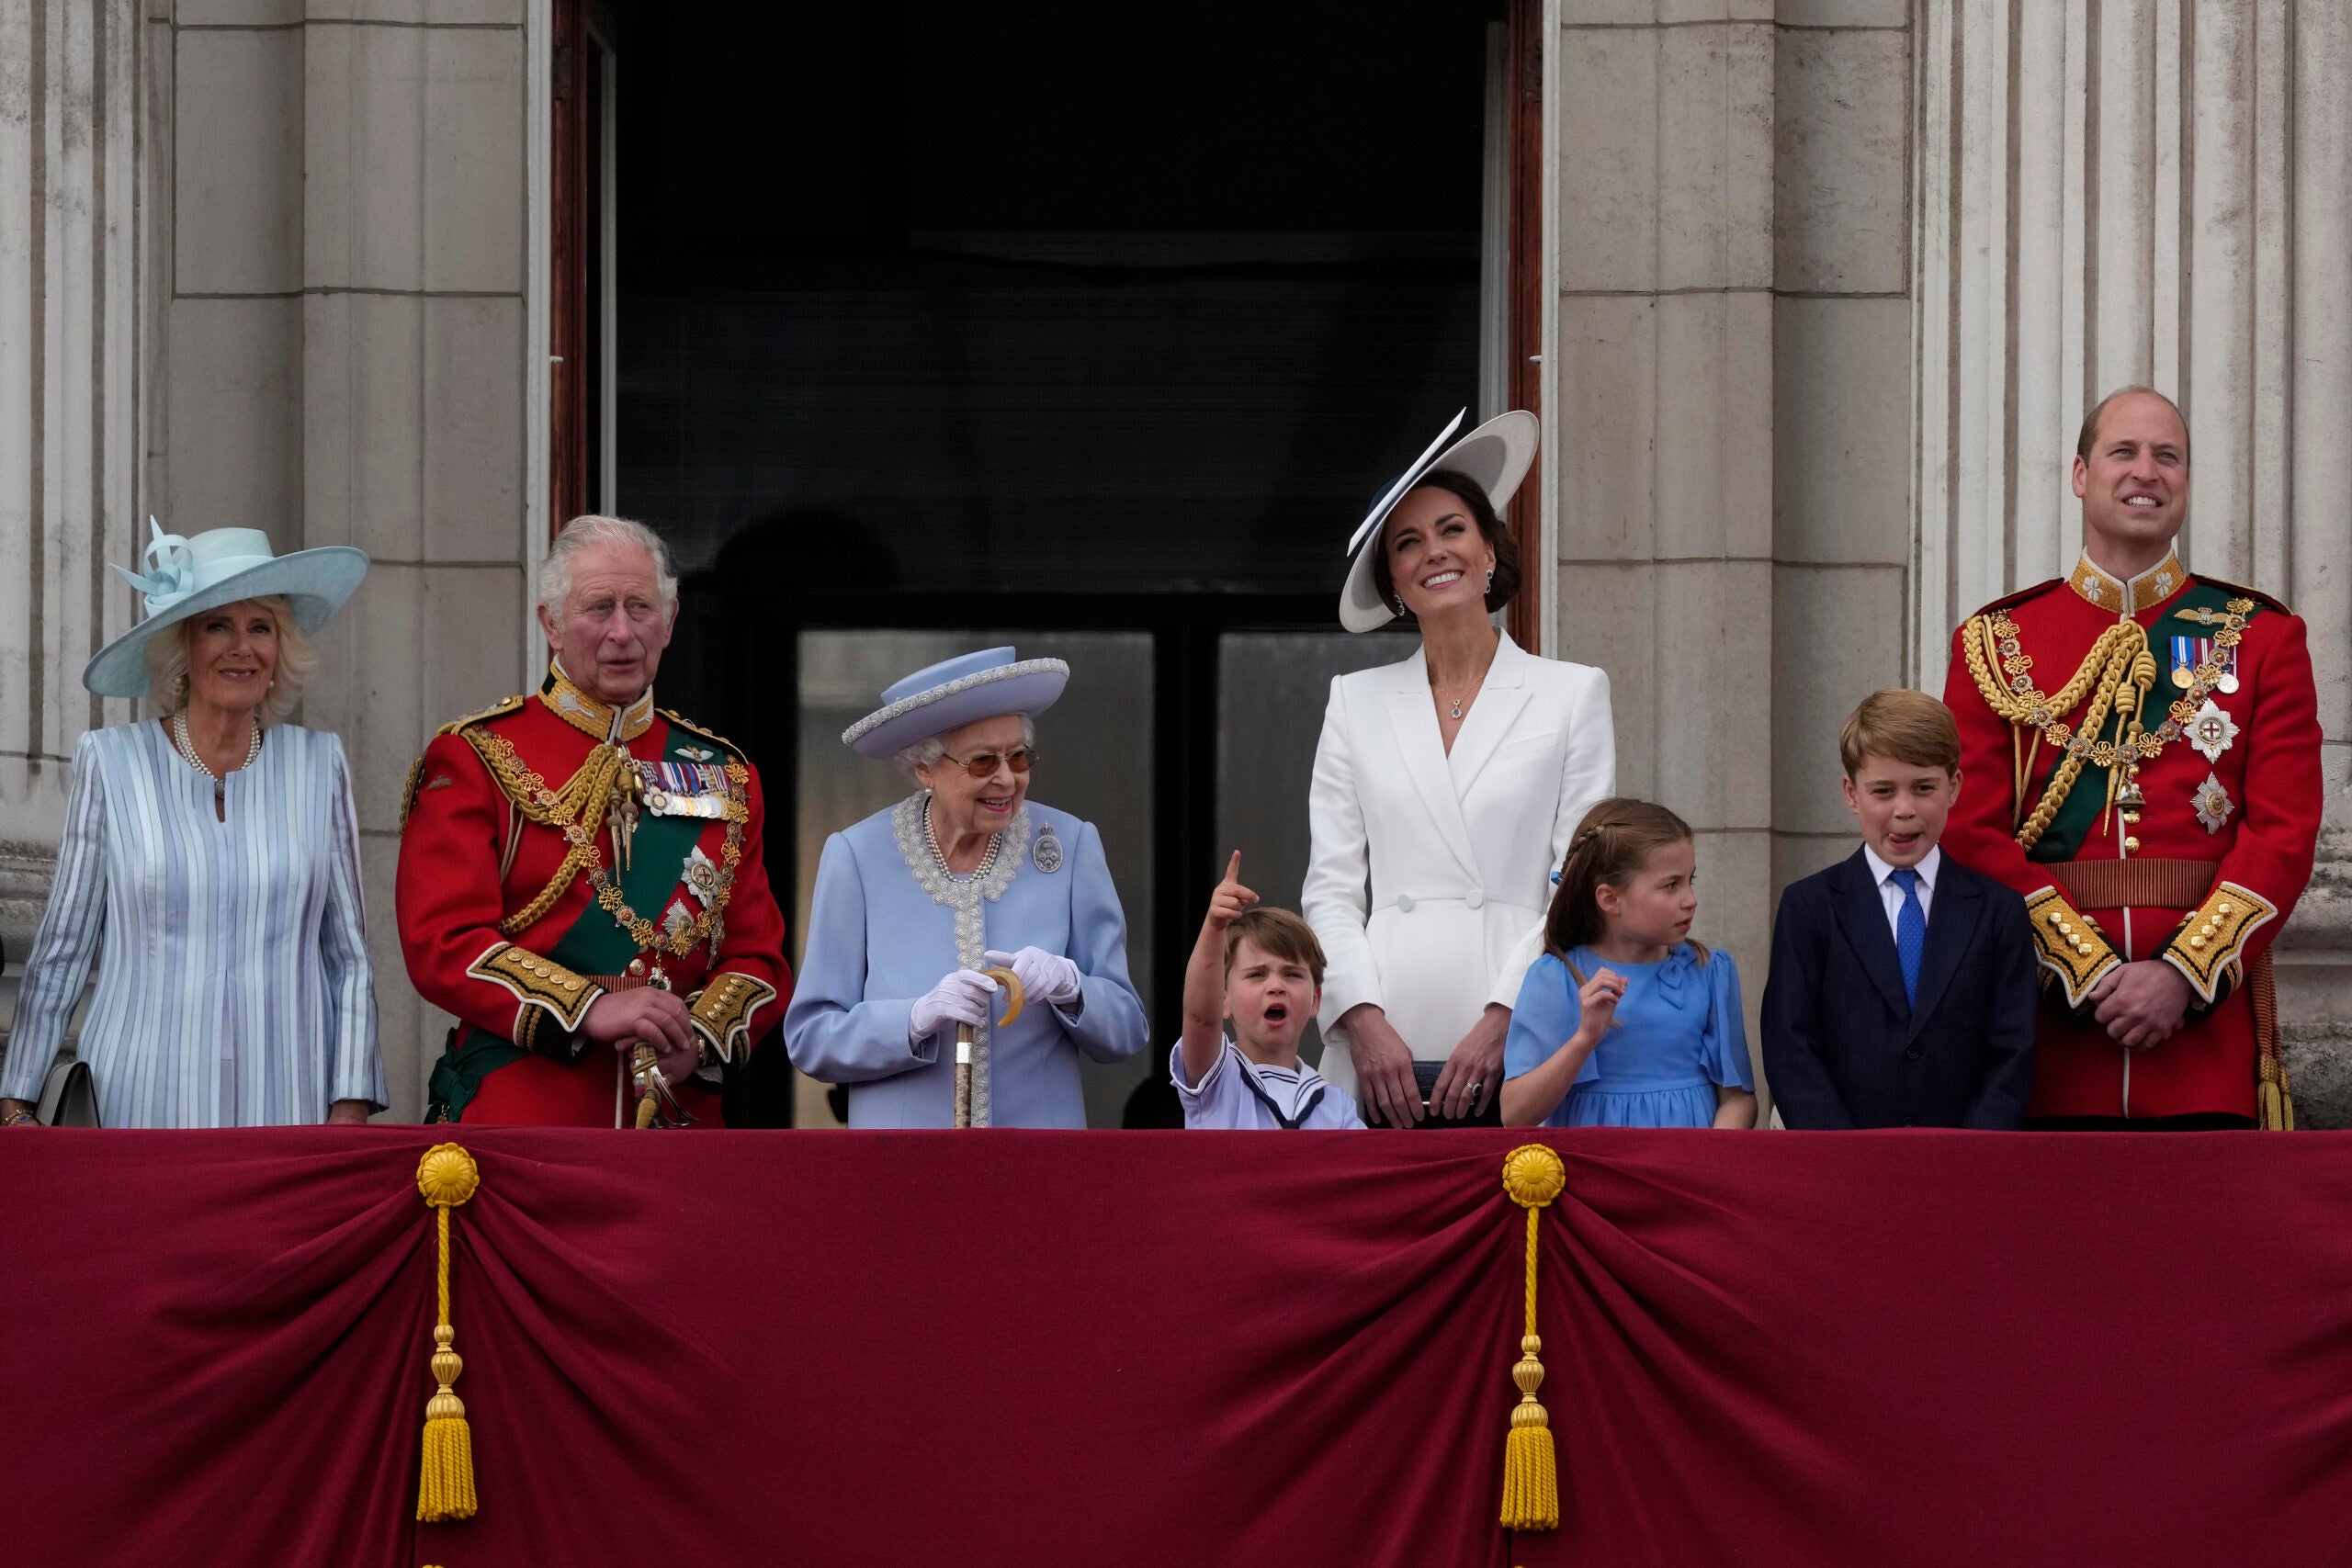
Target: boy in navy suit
<point>1902,987</point>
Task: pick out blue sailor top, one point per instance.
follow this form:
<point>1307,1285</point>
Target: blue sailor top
<point>887,923</point>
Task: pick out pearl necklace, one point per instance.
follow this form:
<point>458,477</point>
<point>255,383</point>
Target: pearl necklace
<point>932,839</point>
<point>187,751</point>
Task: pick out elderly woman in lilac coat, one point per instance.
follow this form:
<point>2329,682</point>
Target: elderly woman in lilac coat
<point>965,874</point>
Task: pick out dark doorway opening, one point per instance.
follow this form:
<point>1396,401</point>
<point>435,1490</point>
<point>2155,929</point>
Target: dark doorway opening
<point>1064,326</point>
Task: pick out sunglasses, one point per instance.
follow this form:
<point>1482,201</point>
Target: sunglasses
<point>985,765</point>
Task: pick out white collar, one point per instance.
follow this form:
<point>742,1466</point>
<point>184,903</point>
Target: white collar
<point>1930,865</point>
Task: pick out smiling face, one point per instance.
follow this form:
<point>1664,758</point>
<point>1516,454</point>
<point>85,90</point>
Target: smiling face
<point>613,626</point>
<point>1901,806</point>
<point>1655,905</point>
<point>962,804</point>
<point>1437,557</point>
<point>231,656</point>
<point>2135,484</point>
<point>1269,999</point>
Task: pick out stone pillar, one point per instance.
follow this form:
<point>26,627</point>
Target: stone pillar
<point>71,393</point>
<point>2113,191</point>
<point>263,264</point>
<point>1730,408</point>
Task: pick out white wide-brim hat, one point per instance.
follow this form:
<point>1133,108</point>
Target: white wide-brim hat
<point>954,693</point>
<point>221,565</point>
<point>1494,457</point>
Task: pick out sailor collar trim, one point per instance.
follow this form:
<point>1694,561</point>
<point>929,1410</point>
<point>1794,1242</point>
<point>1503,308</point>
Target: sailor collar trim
<point>2128,597</point>
<point>594,717</point>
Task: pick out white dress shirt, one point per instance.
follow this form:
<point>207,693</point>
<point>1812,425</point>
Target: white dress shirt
<point>1890,892</point>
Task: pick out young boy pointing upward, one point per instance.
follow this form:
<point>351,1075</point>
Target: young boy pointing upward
<point>1264,968</point>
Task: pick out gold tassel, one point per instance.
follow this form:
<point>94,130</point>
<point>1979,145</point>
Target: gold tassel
<point>448,1177</point>
<point>1533,1175</point>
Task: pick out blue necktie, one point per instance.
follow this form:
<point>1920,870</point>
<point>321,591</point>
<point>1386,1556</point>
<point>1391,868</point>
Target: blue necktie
<point>1910,932</point>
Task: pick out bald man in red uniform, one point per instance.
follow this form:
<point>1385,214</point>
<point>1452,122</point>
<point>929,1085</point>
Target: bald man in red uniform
<point>581,873</point>
<point>2141,748</point>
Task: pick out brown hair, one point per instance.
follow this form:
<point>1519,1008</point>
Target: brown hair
<point>1279,933</point>
<point>1611,846</point>
<point>2089,434</point>
<point>1910,727</point>
<point>1496,532</point>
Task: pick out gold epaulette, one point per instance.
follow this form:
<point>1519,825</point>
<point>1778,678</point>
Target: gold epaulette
<point>710,735</point>
<point>2240,591</point>
<point>499,710</point>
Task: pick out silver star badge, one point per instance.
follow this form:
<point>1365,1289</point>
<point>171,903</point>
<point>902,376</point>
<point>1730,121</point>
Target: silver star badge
<point>2213,804</point>
<point>701,876</point>
<point>2211,730</point>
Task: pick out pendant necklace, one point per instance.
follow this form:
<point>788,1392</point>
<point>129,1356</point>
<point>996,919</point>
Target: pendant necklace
<point>188,753</point>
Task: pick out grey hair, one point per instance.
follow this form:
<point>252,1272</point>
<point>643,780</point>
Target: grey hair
<point>298,660</point>
<point>583,532</point>
<point>931,747</point>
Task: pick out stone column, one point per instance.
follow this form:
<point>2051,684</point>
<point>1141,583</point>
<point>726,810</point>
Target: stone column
<point>2116,191</point>
<point>73,223</point>
<point>1730,408</point>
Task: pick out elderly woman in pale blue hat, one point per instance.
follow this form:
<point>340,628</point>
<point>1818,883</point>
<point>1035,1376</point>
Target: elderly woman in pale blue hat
<point>210,862</point>
<point>965,873</point>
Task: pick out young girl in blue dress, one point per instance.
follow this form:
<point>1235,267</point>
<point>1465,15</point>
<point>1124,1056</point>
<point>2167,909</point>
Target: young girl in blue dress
<point>1626,1020</point>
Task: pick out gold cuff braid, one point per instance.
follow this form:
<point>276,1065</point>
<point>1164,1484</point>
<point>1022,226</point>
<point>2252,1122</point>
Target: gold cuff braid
<point>2070,947</point>
<point>723,1009</point>
<point>538,983</point>
<point>2209,947</point>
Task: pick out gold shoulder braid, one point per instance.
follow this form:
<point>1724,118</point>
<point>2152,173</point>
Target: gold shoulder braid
<point>2118,673</point>
<point>577,810</point>
<point>498,709</point>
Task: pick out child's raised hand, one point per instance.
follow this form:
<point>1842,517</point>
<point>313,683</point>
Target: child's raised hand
<point>1226,904</point>
<point>1597,1002</point>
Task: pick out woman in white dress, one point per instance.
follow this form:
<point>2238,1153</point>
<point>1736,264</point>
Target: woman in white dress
<point>210,863</point>
<point>1445,789</point>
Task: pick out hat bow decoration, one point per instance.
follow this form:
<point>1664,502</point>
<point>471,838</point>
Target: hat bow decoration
<point>171,577</point>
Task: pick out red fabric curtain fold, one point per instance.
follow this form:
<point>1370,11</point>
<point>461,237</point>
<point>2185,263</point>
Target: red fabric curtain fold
<point>1929,1348</point>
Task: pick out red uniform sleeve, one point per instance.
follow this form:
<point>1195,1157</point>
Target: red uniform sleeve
<point>1981,834</point>
<point>449,903</point>
<point>2269,861</point>
<point>745,993</point>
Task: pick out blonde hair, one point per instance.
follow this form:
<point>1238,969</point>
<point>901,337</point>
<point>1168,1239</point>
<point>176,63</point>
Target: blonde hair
<point>1611,846</point>
<point>2088,436</point>
<point>1910,727</point>
<point>298,660</point>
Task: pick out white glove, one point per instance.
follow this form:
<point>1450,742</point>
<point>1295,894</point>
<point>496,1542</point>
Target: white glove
<point>1044,977</point>
<point>963,996</point>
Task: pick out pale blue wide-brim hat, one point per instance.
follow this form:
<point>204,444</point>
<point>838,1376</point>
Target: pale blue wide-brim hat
<point>1494,457</point>
<point>221,565</point>
<point>954,693</point>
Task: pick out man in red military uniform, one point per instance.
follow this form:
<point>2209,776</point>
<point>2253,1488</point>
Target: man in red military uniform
<point>2142,747</point>
<point>580,880</point>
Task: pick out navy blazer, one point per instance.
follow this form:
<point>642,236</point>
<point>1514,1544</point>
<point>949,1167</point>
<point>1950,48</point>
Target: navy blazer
<point>1841,1046</point>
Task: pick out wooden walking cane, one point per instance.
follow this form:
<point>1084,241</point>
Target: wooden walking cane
<point>964,1035</point>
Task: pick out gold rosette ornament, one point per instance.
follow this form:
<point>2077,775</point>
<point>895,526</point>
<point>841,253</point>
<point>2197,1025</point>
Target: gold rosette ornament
<point>1533,1176</point>
<point>447,1177</point>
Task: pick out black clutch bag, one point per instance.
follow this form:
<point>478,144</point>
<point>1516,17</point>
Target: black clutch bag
<point>69,1096</point>
<point>1425,1079</point>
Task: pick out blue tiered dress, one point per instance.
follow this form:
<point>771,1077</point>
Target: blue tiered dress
<point>1677,1036</point>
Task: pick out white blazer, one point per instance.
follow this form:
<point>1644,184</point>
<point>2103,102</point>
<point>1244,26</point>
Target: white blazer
<point>1428,870</point>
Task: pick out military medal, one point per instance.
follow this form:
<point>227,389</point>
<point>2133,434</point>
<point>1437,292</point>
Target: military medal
<point>1045,854</point>
<point>2213,804</point>
<point>2211,730</point>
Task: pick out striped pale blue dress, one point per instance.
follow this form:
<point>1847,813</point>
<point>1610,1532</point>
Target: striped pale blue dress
<point>234,983</point>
